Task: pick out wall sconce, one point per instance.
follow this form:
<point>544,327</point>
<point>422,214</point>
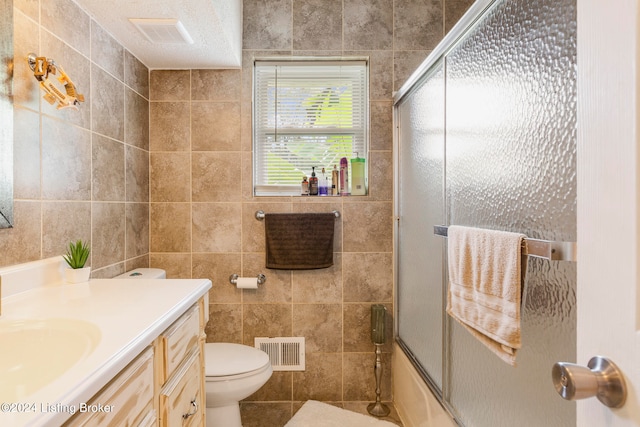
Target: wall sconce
<point>41,68</point>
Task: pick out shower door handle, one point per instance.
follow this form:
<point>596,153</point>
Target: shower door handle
<point>601,378</point>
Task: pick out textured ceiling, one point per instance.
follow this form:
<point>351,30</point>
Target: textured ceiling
<point>214,25</point>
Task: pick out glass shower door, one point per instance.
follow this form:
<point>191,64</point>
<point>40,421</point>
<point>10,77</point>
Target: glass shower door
<point>421,205</point>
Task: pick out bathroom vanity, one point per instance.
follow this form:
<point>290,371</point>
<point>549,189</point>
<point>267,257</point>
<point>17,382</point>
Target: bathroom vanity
<point>102,353</point>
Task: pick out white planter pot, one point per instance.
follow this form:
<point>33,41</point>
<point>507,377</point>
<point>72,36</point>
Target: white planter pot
<point>77,275</point>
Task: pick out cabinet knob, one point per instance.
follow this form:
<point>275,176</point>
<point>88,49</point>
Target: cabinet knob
<point>194,409</point>
<point>601,378</point>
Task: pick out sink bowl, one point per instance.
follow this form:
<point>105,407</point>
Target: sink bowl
<point>34,352</point>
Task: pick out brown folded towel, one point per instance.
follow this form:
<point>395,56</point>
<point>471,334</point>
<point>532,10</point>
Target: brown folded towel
<point>299,241</point>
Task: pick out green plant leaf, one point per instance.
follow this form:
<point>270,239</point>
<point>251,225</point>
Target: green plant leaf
<point>77,254</point>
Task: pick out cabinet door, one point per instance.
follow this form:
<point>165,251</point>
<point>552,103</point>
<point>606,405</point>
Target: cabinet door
<point>126,401</point>
<point>181,400</point>
<point>180,339</point>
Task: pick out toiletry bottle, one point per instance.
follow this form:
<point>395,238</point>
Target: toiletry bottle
<point>358,185</point>
<point>335,181</point>
<point>344,177</point>
<point>305,187</point>
<point>322,184</point>
<point>313,182</point>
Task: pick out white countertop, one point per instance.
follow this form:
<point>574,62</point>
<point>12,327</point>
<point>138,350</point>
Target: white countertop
<point>130,314</point>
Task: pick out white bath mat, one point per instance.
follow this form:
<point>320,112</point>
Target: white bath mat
<point>318,414</point>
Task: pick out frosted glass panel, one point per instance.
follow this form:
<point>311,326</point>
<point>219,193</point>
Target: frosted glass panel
<point>421,198</point>
<point>511,165</point>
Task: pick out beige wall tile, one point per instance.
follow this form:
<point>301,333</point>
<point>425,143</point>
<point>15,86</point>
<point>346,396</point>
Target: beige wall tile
<point>216,227</point>
<point>266,25</point>
<point>66,161</point>
<point>317,24</point>
<point>170,227</point>
<point>318,286</point>
<point>136,74</point>
<point>277,288</point>
<point>170,85</point>
<point>265,320</point>
<point>170,177</point>
<point>279,387</point>
<point>368,227</point>
<point>170,126</point>
<point>177,265</point>
<point>215,126</point>
<point>136,174</point>
<point>368,24</point>
<point>417,24</point>
<point>215,85</point>
<point>108,169</point>
<point>64,222</point>
<point>216,176</point>
<point>225,323</point>
<point>322,379</point>
<point>381,126</point>
<point>321,325</point>
<point>453,11</point>
<point>357,328</point>
<point>107,233</point>
<point>107,52</point>
<point>217,267</point>
<point>56,15</point>
<point>381,176</point>
<point>107,104</point>
<point>368,277</point>
<point>360,386</point>
<point>136,120</point>
<point>137,230</point>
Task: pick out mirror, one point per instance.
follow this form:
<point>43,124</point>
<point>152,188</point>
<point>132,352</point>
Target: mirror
<point>6,113</point>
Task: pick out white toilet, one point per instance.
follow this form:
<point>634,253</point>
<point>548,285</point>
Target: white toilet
<point>233,371</point>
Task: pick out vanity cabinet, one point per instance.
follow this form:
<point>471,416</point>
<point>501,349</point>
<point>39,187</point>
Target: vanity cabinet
<point>126,401</point>
<point>163,386</point>
<point>181,397</point>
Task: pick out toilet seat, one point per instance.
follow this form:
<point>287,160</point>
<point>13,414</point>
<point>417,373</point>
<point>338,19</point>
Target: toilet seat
<point>228,360</point>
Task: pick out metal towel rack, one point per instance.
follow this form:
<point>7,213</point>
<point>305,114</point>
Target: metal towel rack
<point>554,251</point>
<point>260,215</point>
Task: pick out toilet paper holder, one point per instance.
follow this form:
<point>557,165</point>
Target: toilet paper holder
<point>234,279</point>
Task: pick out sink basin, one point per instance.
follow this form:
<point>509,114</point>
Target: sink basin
<point>34,352</point>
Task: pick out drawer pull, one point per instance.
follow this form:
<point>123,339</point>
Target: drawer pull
<point>193,411</point>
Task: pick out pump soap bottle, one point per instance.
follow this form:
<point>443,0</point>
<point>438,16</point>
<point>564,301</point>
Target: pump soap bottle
<point>358,185</point>
<point>313,182</point>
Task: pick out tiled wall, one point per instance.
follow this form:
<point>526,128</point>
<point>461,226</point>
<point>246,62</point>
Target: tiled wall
<point>202,207</point>
<point>79,174</point>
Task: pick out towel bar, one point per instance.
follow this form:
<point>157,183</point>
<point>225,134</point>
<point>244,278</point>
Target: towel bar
<point>554,251</point>
<point>260,215</point>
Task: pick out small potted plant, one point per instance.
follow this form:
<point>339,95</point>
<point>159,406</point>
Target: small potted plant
<point>77,256</point>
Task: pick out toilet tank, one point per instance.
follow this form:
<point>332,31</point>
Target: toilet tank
<point>143,273</point>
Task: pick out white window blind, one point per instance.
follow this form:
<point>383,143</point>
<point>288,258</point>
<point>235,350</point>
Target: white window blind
<point>306,114</point>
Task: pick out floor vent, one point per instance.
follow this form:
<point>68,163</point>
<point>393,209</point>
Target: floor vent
<point>285,353</point>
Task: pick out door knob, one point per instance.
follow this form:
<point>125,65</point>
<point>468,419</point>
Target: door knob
<point>601,378</point>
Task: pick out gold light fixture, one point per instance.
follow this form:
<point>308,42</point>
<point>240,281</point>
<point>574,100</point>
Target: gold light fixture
<point>42,67</point>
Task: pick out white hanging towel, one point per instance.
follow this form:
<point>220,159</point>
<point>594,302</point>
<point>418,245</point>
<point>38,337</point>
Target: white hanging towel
<point>485,286</point>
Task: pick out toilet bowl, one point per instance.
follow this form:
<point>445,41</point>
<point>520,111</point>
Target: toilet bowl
<point>232,371</point>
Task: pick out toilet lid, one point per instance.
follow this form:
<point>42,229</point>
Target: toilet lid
<point>223,359</point>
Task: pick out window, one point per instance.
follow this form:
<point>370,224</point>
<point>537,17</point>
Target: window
<point>306,113</point>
